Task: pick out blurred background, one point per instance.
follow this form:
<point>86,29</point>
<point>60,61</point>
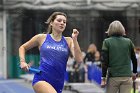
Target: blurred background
<point>22,19</point>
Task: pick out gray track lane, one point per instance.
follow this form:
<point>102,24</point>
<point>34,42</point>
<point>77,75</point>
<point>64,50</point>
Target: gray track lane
<point>20,86</point>
<point>14,86</point>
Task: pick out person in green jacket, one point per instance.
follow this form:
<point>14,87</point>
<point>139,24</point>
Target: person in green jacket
<point>117,55</point>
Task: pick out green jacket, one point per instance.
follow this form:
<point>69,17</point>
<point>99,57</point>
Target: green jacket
<point>119,51</point>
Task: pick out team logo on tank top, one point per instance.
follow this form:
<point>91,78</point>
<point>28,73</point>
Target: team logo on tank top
<point>58,47</point>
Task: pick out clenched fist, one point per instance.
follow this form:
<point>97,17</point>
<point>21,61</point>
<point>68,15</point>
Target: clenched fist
<point>75,33</point>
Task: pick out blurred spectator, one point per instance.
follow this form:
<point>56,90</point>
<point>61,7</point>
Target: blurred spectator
<point>137,51</point>
<point>82,69</point>
<point>70,63</point>
<point>76,72</point>
<point>79,71</point>
<point>69,69</point>
<point>90,55</point>
<point>97,59</point>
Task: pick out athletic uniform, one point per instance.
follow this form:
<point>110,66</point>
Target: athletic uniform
<point>53,60</point>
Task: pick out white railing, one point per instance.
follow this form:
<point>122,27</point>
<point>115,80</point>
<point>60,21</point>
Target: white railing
<point>75,1</point>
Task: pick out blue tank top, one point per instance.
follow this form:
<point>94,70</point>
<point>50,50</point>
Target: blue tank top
<point>53,57</point>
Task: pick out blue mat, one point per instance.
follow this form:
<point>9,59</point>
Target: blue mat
<point>94,73</point>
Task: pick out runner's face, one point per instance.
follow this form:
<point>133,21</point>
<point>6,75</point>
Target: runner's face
<point>59,23</point>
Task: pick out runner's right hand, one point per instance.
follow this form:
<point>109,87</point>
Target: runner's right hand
<point>24,66</point>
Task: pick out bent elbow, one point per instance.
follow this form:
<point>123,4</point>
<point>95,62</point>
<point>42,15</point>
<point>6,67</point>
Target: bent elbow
<point>22,48</point>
